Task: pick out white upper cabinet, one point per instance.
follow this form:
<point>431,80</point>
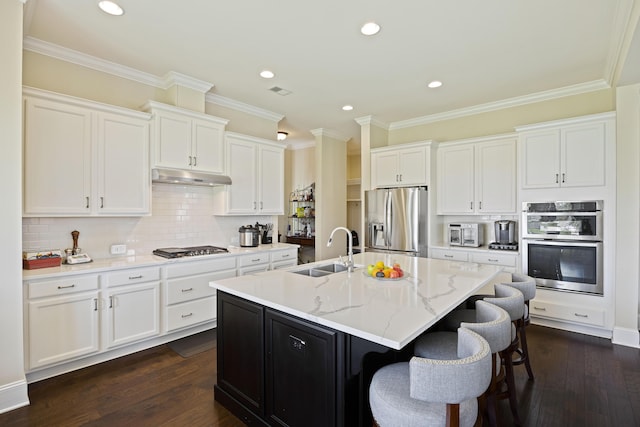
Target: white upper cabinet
<point>477,176</point>
<point>256,168</point>
<point>566,153</point>
<point>400,165</point>
<point>186,139</point>
<point>83,158</point>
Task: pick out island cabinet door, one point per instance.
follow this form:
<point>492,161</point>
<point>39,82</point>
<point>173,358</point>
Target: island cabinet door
<point>241,351</point>
<point>302,380</point>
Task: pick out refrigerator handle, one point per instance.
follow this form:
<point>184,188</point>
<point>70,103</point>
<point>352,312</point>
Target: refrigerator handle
<point>387,219</point>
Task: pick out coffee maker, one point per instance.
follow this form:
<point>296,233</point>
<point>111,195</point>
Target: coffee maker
<point>505,231</point>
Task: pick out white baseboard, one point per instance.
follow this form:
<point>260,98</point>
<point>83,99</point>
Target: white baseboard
<point>627,337</point>
<point>13,396</point>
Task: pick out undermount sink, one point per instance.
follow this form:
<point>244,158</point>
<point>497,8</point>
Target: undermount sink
<point>323,270</point>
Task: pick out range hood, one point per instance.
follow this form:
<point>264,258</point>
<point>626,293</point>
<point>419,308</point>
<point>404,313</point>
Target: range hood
<point>183,177</point>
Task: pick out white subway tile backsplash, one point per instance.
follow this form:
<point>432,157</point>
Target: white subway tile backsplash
<point>181,216</point>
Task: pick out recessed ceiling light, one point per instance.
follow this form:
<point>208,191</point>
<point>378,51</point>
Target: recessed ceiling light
<point>110,7</point>
<point>266,74</point>
<point>370,28</point>
<point>347,107</point>
<point>434,84</point>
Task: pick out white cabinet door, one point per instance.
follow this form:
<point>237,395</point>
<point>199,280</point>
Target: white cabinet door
<point>495,179</point>
<point>271,181</point>
<point>62,328</point>
<point>123,165</point>
<point>541,165</point>
<point>412,166</point>
<point>208,146</point>
<point>172,140</point>
<point>132,313</point>
<point>57,158</point>
<point>242,195</point>
<point>583,155</point>
<point>385,169</point>
<point>456,179</point>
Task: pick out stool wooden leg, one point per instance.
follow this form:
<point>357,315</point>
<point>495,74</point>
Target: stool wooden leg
<point>525,350</point>
<point>511,386</point>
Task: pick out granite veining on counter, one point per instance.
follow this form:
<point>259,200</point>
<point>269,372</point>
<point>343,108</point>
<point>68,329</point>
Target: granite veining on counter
<point>390,313</point>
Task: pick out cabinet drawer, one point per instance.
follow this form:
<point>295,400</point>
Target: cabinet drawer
<point>590,316</point>
<point>191,312</point>
<point>62,286</point>
<point>497,259</point>
<point>128,277</point>
<point>284,264</point>
<point>201,267</point>
<point>193,287</point>
<point>253,259</point>
<point>449,255</point>
<point>289,254</point>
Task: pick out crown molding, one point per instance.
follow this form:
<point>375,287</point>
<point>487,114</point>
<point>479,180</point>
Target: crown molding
<point>370,120</point>
<point>173,78</point>
<point>241,106</point>
<point>506,103</point>
<point>62,53</point>
<point>88,61</point>
<point>328,133</point>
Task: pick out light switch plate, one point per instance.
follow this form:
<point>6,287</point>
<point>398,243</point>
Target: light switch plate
<point>118,249</point>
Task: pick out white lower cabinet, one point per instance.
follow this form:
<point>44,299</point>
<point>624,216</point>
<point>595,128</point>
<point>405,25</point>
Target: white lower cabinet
<point>188,298</point>
<point>284,259</point>
<point>254,263</point>
<point>449,255</point>
<point>509,261</point>
<point>62,320</point>
<point>576,314</point>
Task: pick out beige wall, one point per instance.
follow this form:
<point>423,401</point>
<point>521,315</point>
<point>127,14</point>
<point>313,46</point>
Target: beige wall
<point>354,168</point>
<point>505,120</point>
<point>13,386</point>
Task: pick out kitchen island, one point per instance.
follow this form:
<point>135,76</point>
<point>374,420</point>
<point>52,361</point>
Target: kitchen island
<point>295,349</point>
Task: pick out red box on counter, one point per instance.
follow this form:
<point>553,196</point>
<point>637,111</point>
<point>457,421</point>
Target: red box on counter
<point>32,264</point>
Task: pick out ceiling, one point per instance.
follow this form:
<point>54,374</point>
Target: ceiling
<point>483,51</point>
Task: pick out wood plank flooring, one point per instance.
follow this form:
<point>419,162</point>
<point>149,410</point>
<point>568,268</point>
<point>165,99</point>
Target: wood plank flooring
<point>580,381</point>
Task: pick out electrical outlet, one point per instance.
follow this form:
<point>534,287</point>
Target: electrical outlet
<point>118,249</point>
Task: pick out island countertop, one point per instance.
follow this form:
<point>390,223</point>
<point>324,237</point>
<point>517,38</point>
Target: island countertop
<point>388,312</point>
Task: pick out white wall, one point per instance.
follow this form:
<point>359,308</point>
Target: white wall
<point>13,386</point>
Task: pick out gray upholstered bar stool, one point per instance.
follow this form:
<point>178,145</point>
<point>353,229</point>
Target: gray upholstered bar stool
<point>494,325</point>
<point>428,392</point>
<point>526,285</point>
<point>512,301</point>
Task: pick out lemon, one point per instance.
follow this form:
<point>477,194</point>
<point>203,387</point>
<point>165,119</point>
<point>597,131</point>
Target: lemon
<point>380,265</point>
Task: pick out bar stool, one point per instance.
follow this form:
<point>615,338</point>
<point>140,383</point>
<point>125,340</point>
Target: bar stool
<point>494,325</point>
<point>428,392</point>
<point>526,285</point>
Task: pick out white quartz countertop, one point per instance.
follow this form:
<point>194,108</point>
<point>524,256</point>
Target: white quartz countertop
<point>390,313</point>
<point>124,262</point>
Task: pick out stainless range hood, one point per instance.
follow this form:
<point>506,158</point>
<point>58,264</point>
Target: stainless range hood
<point>183,177</point>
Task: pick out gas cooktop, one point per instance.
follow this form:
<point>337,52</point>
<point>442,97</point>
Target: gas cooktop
<point>188,252</point>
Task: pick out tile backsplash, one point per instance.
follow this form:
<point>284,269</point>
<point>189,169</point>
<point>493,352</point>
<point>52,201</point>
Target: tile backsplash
<point>181,216</point>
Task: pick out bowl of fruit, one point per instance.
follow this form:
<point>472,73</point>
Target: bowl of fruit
<point>381,271</point>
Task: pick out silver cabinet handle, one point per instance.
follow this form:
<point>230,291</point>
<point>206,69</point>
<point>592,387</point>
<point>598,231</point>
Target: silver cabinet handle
<point>195,161</point>
<point>190,161</point>
<point>480,205</point>
<point>581,315</point>
<point>67,286</point>
<point>87,203</point>
<point>254,205</point>
<point>261,205</point>
<point>556,178</point>
<point>111,301</point>
<point>187,290</point>
<point>539,308</point>
<point>563,178</point>
<point>448,256</point>
<point>492,260</point>
<point>101,202</point>
<point>285,256</point>
<point>187,315</point>
<point>400,177</point>
<point>95,304</point>
<point>135,277</point>
<point>471,205</point>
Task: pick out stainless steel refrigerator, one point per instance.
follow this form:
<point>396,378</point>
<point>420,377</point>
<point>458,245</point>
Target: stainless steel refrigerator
<point>396,220</point>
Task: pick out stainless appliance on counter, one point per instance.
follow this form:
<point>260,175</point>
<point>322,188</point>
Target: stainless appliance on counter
<point>465,234</point>
<point>189,251</point>
<point>505,232</point>
<point>396,220</point>
<point>249,236</point>
<point>562,245</point>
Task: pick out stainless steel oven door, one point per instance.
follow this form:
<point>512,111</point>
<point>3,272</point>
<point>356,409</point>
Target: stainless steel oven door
<point>564,265</point>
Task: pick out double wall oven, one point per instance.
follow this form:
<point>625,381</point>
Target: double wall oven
<point>562,245</point>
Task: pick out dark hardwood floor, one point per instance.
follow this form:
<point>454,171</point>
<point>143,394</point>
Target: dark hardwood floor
<point>580,381</point>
